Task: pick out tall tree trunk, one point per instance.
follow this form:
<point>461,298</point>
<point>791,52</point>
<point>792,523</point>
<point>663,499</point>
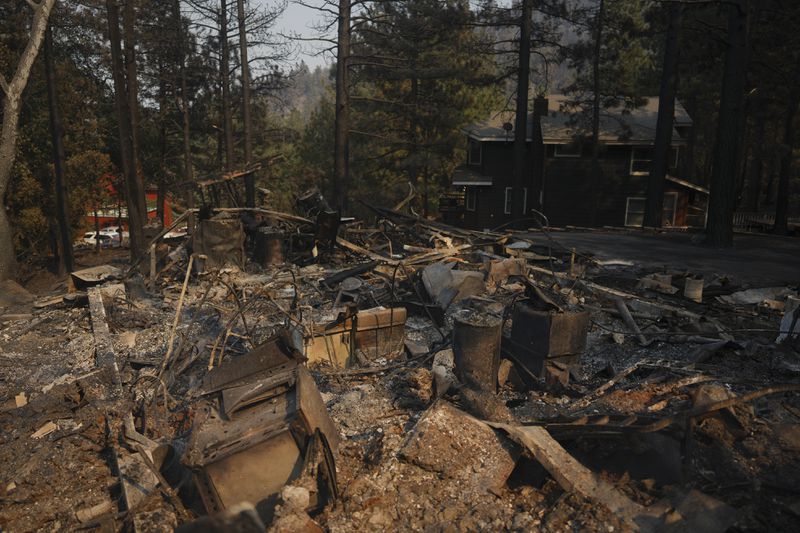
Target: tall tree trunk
<point>188,166</point>
<point>134,189</point>
<point>719,230</point>
<point>224,68</point>
<point>654,205</point>
<point>787,151</point>
<point>752,189</point>
<point>162,141</point>
<point>65,256</point>
<point>341,159</point>
<point>596,171</point>
<point>12,99</point>
<point>521,168</point>
<point>413,168</point>
<point>249,180</point>
<point>129,33</point>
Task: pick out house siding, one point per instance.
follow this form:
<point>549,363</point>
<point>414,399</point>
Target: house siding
<point>569,191</point>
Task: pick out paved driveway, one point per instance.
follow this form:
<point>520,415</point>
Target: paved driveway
<point>757,260</point>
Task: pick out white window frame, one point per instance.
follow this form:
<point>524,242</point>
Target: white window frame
<point>471,192</point>
<point>469,152</point>
<point>650,160</point>
<point>507,207</point>
<point>627,208</point>
<point>557,154</point>
<point>674,209</point>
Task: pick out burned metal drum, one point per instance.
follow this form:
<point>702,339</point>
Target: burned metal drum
<point>548,343</point>
<point>476,347</point>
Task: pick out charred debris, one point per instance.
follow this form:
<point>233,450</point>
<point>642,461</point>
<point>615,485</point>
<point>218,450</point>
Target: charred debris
<point>305,372</point>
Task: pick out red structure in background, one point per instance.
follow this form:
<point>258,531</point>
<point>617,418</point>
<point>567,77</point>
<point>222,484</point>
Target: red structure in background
<point>114,211</point>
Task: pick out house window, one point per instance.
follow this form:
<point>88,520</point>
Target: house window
<point>567,150</point>
<point>509,198</point>
<point>640,160</point>
<point>471,198</point>
<point>634,210</point>
<point>474,156</point>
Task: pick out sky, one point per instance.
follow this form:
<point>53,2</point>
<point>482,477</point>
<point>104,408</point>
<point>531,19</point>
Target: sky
<point>299,19</point>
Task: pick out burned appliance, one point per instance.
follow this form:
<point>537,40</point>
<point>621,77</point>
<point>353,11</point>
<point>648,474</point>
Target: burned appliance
<point>267,426</point>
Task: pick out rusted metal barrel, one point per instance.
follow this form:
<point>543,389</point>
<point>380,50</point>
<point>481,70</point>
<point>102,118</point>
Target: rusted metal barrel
<point>476,348</point>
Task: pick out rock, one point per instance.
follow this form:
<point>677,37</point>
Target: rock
<point>452,443</point>
<point>295,497</point>
<point>444,377</point>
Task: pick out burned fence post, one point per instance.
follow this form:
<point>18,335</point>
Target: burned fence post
<point>476,346</point>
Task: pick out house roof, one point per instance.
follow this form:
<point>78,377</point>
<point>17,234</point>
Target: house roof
<point>617,124</point>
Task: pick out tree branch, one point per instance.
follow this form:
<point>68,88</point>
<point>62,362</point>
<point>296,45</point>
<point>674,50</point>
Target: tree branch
<point>3,84</point>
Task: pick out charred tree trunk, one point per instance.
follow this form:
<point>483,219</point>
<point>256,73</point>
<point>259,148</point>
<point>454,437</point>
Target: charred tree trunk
<point>719,230</point>
<point>249,180</point>
<point>787,151</point>
<point>521,169</point>
<point>654,205</point>
<point>65,256</point>
<point>134,189</point>
<point>162,141</point>
<point>596,172</point>
<point>12,100</point>
<point>752,190</point>
<point>224,68</point>
<point>129,33</point>
<point>341,158</point>
<point>183,104</point>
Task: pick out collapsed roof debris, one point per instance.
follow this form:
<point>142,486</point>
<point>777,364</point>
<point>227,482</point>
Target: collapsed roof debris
<point>291,371</point>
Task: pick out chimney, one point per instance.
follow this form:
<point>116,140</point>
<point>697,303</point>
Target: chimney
<point>540,106</point>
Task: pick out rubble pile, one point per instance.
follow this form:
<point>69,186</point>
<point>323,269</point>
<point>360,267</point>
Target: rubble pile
<point>285,372</point>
